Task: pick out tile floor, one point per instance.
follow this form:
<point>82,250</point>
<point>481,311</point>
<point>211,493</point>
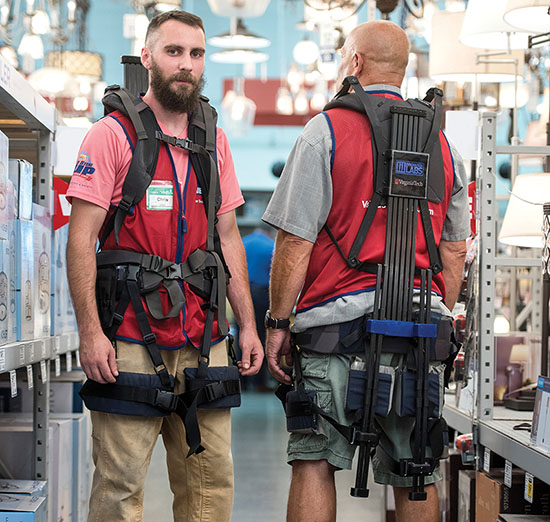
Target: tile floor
<point>259,442</point>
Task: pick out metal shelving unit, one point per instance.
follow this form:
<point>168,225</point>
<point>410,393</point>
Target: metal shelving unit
<point>493,427</point>
<point>29,121</point>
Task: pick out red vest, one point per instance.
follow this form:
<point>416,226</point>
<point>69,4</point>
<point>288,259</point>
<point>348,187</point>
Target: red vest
<point>172,235</point>
<point>328,276</point>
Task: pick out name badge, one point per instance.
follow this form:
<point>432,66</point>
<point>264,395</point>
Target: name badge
<point>160,195</point>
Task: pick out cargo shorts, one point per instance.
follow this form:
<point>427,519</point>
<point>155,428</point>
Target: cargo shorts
<point>327,376</point>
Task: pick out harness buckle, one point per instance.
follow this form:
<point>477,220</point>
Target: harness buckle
<point>132,272</point>
<point>358,436</point>
<point>214,390</point>
<point>184,143</point>
<point>150,338</point>
<point>175,272</point>
<point>166,400</point>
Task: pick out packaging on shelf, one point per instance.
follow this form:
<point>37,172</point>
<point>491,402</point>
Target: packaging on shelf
<point>23,508</point>
<point>59,283</point>
<point>24,280</point>
<point>466,495</point>
<point>540,432</point>
<point>42,226</point>
<point>4,146</point>
<point>493,497</point>
<point>20,174</point>
<point>522,518</point>
<point>12,235</point>
<point>23,487</point>
<point>5,267</point>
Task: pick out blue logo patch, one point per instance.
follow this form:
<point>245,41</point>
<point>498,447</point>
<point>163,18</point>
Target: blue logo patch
<point>411,168</point>
<point>84,167</point>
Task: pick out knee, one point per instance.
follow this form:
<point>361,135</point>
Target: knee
<point>304,469</point>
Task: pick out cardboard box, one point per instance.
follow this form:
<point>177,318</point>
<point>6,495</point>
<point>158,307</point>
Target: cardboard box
<point>36,488</point>
<point>540,432</point>
<point>12,234</point>
<point>523,518</point>
<point>4,145</point>
<point>65,469</point>
<point>24,280</point>
<point>42,254</point>
<point>493,497</point>
<point>23,508</point>
<point>5,267</point>
<point>466,511</point>
<point>60,285</point>
<point>20,174</point>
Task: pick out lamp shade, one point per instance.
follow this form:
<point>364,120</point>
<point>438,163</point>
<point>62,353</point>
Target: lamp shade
<point>239,56</point>
<point>452,61</point>
<point>239,8</point>
<point>484,27</point>
<point>529,15</point>
<point>522,225</point>
<point>242,38</point>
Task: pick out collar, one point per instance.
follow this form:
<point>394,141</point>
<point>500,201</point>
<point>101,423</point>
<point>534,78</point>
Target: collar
<point>381,87</point>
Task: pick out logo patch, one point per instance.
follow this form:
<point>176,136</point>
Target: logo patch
<point>412,168</point>
<point>84,167</point>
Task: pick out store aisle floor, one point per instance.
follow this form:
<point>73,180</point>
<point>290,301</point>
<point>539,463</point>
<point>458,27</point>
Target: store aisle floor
<point>262,476</point>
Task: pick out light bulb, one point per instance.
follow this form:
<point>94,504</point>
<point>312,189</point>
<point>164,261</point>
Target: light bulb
<point>40,22</point>
<point>80,104</point>
<point>284,102</point>
<point>305,52</point>
<point>9,54</point>
<point>301,105</point>
<point>31,45</point>
<point>294,78</point>
<point>318,101</point>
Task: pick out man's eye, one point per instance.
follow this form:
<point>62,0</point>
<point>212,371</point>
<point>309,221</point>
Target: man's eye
<point>197,54</point>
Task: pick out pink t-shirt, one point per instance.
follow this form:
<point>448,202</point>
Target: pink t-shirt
<point>105,157</point>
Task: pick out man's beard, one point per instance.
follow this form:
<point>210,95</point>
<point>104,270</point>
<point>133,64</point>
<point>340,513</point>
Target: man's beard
<point>182,99</point>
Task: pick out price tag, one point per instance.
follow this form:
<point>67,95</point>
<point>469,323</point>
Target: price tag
<point>22,354</point>
<point>43,350</point>
<point>528,491</point>
<point>13,383</point>
<point>69,361</point>
<point>2,359</point>
<point>30,382</point>
<point>508,473</point>
<point>77,354</point>
<point>56,344</point>
<point>31,352</point>
<point>487,460</point>
<point>57,365</point>
<point>43,374</point>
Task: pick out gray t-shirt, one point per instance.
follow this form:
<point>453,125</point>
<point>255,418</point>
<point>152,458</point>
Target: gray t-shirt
<point>302,201</point>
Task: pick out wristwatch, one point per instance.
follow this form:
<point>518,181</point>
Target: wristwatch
<point>276,324</point>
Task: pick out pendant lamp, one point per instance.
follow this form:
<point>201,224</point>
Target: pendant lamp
<point>528,15</point>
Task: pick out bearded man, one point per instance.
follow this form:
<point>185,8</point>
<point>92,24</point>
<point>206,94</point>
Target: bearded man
<point>124,439</point>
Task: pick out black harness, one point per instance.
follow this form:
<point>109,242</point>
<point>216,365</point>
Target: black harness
<point>124,277</point>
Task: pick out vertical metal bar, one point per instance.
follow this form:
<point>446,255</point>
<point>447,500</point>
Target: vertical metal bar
<point>40,422</point>
<point>414,227</point>
<point>487,211</point>
<point>44,173</point>
<point>545,331</point>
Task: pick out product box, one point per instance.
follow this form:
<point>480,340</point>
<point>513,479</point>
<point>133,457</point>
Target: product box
<point>540,431</point>
<point>12,305</point>
<point>523,518</point>
<point>59,283</point>
<point>20,174</point>
<point>5,268</point>
<point>36,488</point>
<point>23,508</point>
<point>82,459</point>
<point>4,145</point>
<point>466,511</point>
<point>42,231</point>
<point>24,280</point>
<point>65,469</point>
<point>493,497</point>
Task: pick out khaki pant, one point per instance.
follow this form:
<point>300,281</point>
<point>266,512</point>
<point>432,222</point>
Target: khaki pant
<point>122,446</point>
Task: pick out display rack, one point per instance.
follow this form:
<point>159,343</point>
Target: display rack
<point>29,121</point>
<point>493,427</point>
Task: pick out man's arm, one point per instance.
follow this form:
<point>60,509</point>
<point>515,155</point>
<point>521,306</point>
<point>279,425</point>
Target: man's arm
<point>238,293</point>
<point>97,354</point>
<point>288,271</point>
<point>453,254</point>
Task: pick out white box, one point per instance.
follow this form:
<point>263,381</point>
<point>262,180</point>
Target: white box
<point>24,280</point>
<point>42,254</point>
<point>23,508</point>
<point>540,431</point>
<point>65,469</point>
<point>5,268</point>
<point>59,283</point>
<point>36,488</point>
<point>82,463</point>
<point>20,174</point>
<point>12,306</point>
<point>4,145</point>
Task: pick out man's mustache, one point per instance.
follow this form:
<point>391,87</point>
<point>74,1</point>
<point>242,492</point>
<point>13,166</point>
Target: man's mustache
<point>184,77</point>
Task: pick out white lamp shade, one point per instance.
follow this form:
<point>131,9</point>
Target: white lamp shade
<point>452,61</point>
<point>484,27</point>
<point>31,45</point>
<point>506,96</point>
<point>528,15</point>
<point>240,8</point>
<point>522,224</point>
<point>238,113</point>
<point>50,80</point>
<point>239,56</point>
<point>305,52</point>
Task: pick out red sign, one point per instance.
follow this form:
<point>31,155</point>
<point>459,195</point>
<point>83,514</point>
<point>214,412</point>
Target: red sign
<point>61,208</point>
<point>472,206</point>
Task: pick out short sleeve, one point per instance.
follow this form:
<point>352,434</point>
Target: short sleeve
<point>231,192</point>
<point>303,197</point>
<point>103,160</point>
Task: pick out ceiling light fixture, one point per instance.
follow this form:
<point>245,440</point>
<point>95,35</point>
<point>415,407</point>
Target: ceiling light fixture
<point>529,15</point>
<point>240,38</point>
<point>239,56</point>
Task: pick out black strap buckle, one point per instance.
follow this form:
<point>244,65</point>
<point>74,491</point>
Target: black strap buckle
<point>358,437</point>
<point>125,205</point>
<point>184,143</point>
<point>214,390</point>
<point>175,271</point>
<point>132,272</point>
<point>150,338</point>
<point>166,400</point>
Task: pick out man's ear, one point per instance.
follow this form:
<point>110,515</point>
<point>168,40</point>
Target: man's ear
<point>146,57</point>
<point>357,62</point>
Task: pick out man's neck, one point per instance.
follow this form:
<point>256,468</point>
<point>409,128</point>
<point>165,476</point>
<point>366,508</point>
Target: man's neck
<point>174,122</point>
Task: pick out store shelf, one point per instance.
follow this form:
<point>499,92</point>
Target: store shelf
<point>459,420</point>
<point>500,437</point>
<point>20,354</point>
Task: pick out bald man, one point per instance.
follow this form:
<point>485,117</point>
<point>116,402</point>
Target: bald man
<point>327,180</point>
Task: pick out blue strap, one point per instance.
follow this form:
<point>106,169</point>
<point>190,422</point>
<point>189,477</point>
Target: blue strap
<point>400,328</point>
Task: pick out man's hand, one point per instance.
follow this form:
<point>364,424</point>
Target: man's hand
<point>277,346</point>
<point>252,352</point>
<point>97,358</point>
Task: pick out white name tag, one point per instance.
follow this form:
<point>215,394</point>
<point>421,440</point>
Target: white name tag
<point>160,195</point>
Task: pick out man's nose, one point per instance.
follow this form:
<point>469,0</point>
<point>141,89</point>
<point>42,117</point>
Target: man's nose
<point>185,64</point>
